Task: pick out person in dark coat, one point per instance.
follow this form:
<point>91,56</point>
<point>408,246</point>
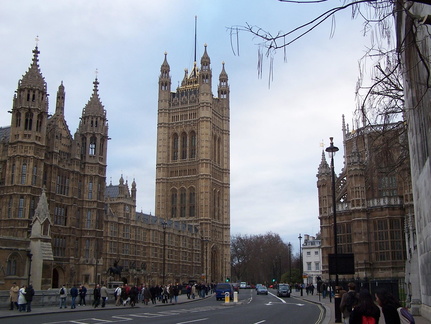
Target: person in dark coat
<point>389,306</point>
<point>96,296</point>
<point>74,293</point>
<point>82,294</point>
<point>29,293</point>
<point>365,307</point>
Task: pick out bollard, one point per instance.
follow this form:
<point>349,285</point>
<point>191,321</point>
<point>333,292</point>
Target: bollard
<point>226,297</point>
<point>235,296</point>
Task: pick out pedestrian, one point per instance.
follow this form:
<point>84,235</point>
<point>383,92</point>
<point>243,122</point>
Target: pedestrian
<point>176,292</point>
<point>134,292</point>
<point>29,293</point>
<point>365,311</point>
<point>73,294</point>
<point>96,296</point>
<point>104,294</point>
<point>117,295</point>
<point>193,291</point>
<point>146,295</point>
<point>153,292</point>
<point>21,299</point>
<point>348,300</point>
<point>389,306</point>
<point>63,296</point>
<point>13,296</point>
<point>323,288</point>
<point>82,294</point>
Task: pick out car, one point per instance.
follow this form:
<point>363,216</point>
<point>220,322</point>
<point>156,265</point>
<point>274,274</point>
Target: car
<point>222,288</point>
<point>283,290</point>
<point>235,287</point>
<point>258,285</point>
<point>243,285</point>
<point>262,290</point>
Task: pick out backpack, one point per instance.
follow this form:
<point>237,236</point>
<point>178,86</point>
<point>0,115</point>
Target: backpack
<point>368,320</point>
<point>351,301</point>
<point>405,316</point>
<point>62,291</point>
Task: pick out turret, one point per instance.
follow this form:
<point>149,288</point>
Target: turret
<point>30,105</point>
<point>223,87</point>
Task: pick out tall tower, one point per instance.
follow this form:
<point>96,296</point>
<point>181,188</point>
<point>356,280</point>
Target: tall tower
<point>193,160</point>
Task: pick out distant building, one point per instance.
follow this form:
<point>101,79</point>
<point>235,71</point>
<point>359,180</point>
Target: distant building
<point>311,260</point>
<point>374,202</point>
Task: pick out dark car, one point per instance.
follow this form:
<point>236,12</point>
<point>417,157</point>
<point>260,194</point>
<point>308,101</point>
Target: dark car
<point>221,290</point>
<point>283,290</point>
<point>262,290</point>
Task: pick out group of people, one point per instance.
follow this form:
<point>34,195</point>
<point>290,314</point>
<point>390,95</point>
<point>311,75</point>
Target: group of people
<point>357,307</point>
<point>131,295</point>
<point>21,298</point>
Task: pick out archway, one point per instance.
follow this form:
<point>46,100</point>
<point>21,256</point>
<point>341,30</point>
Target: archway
<point>55,278</point>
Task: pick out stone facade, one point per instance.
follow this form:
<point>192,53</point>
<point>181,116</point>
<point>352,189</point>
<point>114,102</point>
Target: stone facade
<point>311,260</point>
<point>414,46</point>
<point>374,203</point>
<point>59,222</point>
<point>193,160</point>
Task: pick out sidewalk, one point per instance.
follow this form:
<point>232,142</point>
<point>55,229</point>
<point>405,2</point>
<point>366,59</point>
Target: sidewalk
<point>329,307</point>
<point>5,312</point>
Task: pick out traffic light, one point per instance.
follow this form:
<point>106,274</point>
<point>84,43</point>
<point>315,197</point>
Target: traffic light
<point>273,280</point>
<point>227,279</point>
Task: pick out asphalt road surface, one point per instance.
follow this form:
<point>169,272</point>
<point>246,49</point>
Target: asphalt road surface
<point>251,309</point>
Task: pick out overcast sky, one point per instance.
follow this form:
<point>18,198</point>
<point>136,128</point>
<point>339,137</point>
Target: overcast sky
<point>276,131</point>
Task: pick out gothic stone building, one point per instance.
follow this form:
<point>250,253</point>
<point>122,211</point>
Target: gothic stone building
<point>59,223</point>
<point>193,161</point>
<point>373,202</point>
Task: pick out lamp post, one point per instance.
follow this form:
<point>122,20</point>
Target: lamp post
<point>300,261</point>
<point>331,149</point>
<point>164,224</point>
<point>290,263</point>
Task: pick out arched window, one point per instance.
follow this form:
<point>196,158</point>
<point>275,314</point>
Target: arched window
<point>39,123</point>
<point>21,207</point>
<point>175,147</point>
<point>92,150</point>
<point>12,265</point>
<point>23,173</point>
<point>183,202</point>
<point>83,145</point>
<point>192,202</point>
<point>12,175</point>
<point>219,151</point>
<point>192,145</point>
<point>174,203</point>
<point>18,119</point>
<point>183,146</point>
<point>28,120</point>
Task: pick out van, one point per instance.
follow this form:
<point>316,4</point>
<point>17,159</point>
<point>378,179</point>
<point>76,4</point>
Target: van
<point>221,290</point>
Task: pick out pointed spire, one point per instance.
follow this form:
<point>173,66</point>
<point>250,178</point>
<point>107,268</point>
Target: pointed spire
<point>165,65</point>
<point>94,105</point>
<point>59,108</point>
<point>42,210</point>
<point>223,74</point>
<point>205,60</point>
<point>33,77</point>
<point>324,166</point>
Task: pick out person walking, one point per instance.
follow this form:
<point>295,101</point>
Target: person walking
<point>348,300</point>
<point>104,294</point>
<point>73,294</point>
<point>63,296</point>
<point>366,309</point>
<point>82,294</point>
<point>389,306</point>
<point>21,299</point>
<point>29,293</point>
<point>117,295</point>
<point>96,296</point>
<point>13,296</point>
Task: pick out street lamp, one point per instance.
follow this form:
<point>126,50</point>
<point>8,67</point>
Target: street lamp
<point>290,263</point>
<point>164,225</point>
<point>331,149</point>
<point>300,261</point>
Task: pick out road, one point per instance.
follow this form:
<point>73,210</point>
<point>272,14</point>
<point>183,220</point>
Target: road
<point>251,309</point>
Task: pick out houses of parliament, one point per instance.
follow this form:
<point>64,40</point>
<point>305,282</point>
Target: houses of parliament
<point>61,223</point>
